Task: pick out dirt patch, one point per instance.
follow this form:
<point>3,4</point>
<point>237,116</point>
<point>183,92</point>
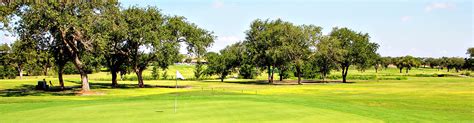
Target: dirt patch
<point>89,93</point>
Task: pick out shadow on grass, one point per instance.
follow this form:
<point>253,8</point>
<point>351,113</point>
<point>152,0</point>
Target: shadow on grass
<point>30,90</point>
<point>250,82</point>
<point>284,82</point>
<point>124,86</point>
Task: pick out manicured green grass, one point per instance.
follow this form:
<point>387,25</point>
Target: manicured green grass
<point>417,99</point>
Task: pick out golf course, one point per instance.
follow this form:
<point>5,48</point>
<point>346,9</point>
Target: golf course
<point>416,99</point>
<point>243,61</point>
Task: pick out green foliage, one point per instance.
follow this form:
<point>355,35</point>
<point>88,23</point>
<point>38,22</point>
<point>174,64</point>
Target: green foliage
<point>199,70</point>
<point>247,71</point>
<point>326,56</point>
<point>310,70</point>
<point>226,62</point>
<point>470,51</point>
<point>355,49</point>
<point>165,75</point>
<point>155,73</point>
<point>455,63</point>
<point>7,72</point>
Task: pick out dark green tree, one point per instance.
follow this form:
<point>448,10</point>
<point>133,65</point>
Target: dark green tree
<point>356,49</point>
<point>327,55</point>
<point>225,62</point>
<point>69,25</point>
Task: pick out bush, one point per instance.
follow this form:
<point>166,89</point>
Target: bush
<point>7,72</point>
<point>69,68</point>
<point>467,73</point>
<point>155,73</point>
<point>165,75</point>
<point>247,72</point>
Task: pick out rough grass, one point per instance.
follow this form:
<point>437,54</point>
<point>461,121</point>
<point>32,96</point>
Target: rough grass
<point>416,99</point>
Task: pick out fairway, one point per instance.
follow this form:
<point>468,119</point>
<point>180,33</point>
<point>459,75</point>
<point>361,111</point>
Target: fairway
<point>418,99</point>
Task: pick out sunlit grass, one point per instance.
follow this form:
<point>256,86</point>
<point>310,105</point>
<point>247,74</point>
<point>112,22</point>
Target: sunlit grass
<point>417,99</point>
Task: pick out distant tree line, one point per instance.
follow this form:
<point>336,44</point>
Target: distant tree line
<point>280,46</point>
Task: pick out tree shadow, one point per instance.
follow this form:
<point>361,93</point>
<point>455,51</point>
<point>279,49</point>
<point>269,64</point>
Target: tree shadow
<point>284,82</point>
<point>30,90</point>
<point>325,81</point>
<point>250,82</point>
<point>94,85</point>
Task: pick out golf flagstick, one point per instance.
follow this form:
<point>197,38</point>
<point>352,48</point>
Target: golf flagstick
<point>176,96</point>
<point>178,76</point>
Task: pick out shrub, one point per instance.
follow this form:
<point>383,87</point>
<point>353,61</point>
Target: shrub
<point>155,73</point>
<point>247,72</point>
<point>7,72</point>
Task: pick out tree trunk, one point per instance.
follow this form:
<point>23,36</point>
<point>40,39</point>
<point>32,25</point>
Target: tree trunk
<point>406,71</point>
<point>376,70</point>
<point>222,79</point>
<point>114,78</point>
<point>20,70</point>
<point>401,69</point>
<point>140,78</point>
<point>273,72</point>
<point>85,82</point>
<point>269,70</point>
<point>344,74</point>
<point>60,77</point>
<point>298,71</point>
<point>45,71</point>
<point>281,74</point>
<point>84,79</point>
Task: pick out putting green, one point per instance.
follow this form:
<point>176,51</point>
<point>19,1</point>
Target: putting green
<point>217,108</point>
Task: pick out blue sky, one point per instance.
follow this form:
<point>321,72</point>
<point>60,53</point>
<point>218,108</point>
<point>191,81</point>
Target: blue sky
<point>401,27</point>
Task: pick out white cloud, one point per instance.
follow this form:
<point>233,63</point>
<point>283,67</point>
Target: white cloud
<point>434,6</point>
<point>222,41</point>
<point>406,18</point>
<point>217,4</point>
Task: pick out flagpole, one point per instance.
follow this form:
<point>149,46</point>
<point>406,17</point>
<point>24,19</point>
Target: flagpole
<point>176,96</point>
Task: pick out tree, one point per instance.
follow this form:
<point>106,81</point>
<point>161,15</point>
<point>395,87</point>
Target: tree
<point>278,43</point>
<point>224,63</point>
<point>470,51</point>
<point>152,37</point>
<point>429,62</point>
<point>409,62</point>
<point>326,55</point>
<point>21,55</point>
<point>6,71</point>
<point>297,46</point>
<point>386,61</point>
<point>456,63</point>
<point>262,44</point>
<point>398,61</point>
<point>247,69</point>
<point>378,62</point>
<point>112,27</point>
<point>146,38</point>
<point>356,49</point>
<point>65,25</point>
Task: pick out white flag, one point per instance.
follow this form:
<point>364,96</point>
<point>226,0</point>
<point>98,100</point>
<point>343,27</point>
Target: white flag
<point>178,75</point>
